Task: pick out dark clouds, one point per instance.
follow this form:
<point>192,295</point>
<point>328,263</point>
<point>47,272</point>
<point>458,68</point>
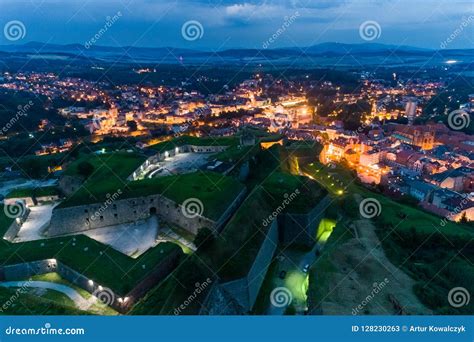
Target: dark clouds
<point>248,23</point>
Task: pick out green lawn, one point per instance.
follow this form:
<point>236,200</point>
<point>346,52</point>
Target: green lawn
<point>109,176</point>
<point>214,190</point>
<point>170,294</point>
<point>237,153</point>
<point>34,192</point>
<point>119,164</point>
<point>404,217</point>
<point>97,261</point>
<point>57,297</point>
<point>238,244</point>
<point>437,256</point>
<point>322,270</point>
<point>15,303</point>
<point>233,252</point>
<point>281,186</point>
<point>56,278</point>
<point>336,180</point>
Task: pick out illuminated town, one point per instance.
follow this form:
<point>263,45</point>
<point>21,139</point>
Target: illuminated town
<point>404,159</point>
<point>326,179</point>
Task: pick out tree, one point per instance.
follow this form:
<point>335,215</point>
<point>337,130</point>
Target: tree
<point>464,218</point>
<point>85,169</point>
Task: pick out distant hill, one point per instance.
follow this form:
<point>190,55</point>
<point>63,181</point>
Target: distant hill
<point>364,53</point>
<point>342,48</point>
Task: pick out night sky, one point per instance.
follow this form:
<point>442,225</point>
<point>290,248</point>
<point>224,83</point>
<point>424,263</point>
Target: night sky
<point>232,24</point>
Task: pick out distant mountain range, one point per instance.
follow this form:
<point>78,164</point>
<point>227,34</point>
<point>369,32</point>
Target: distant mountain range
<point>169,54</point>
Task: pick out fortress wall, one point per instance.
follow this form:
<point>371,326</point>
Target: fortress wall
<point>245,290</point>
<point>263,260</point>
<point>160,156</point>
<point>26,270</point>
<point>288,228</point>
<point>15,226</point>
<point>28,201</point>
<point>301,229</point>
<point>12,231</point>
<point>230,210</point>
<point>154,277</point>
<point>70,184</point>
<point>119,211</point>
<point>238,289</point>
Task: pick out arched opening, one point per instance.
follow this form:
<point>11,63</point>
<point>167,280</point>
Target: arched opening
<point>152,211</point>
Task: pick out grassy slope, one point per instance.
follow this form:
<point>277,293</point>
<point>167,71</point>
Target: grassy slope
<point>322,270</point>
<point>109,176</point>
<point>120,164</point>
<point>214,190</point>
<point>27,304</point>
<point>56,278</point>
<point>413,239</point>
<point>234,250</point>
<point>99,262</point>
<point>111,170</point>
<point>34,192</point>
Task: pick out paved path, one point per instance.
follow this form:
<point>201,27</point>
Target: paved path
<point>36,222</point>
<point>167,232</point>
<point>8,186</point>
<point>132,239</point>
<point>80,301</point>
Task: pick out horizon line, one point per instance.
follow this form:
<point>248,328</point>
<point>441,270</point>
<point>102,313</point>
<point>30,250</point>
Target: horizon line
<point>208,49</point>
